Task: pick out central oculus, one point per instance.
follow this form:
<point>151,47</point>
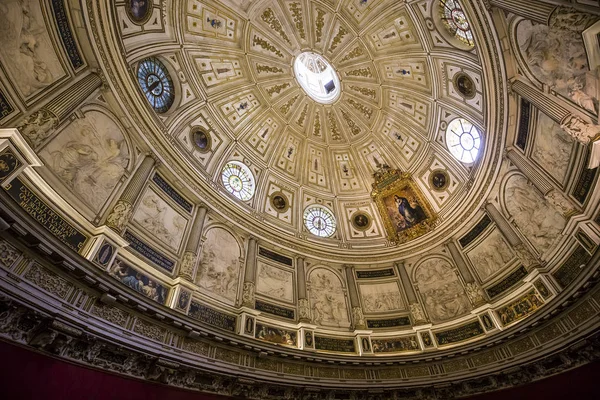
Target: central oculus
<point>317,77</point>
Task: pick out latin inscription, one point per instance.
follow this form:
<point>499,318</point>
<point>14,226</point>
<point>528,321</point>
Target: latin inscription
<point>335,344</point>
<point>508,282</point>
<point>274,309</point>
<point>46,216</point>
<point>381,273</point>
<point>171,192</point>
<point>212,317</point>
<point>476,231</point>
<point>274,256</point>
<point>388,323</point>
<point>459,334</point>
<point>148,252</point>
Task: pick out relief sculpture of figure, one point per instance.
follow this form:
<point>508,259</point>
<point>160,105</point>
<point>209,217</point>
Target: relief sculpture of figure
<point>26,49</point>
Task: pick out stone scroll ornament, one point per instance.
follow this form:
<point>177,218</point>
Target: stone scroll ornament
<point>405,212</point>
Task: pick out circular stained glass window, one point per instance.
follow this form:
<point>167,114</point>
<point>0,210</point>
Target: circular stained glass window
<point>317,77</point>
<point>455,20</point>
<point>238,180</point>
<point>319,220</point>
<point>156,83</point>
<point>463,140</point>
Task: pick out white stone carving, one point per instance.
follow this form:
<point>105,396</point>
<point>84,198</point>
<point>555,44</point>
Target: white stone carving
<point>89,156</point>
<point>37,127</point>
<point>358,317</point>
<point>119,216</point>
<point>27,51</point>
<point>327,299</point>
<point>248,294</point>
<point>416,311</point>
<point>219,267</point>
<point>475,293</point>
<point>160,219</point>
<point>557,58</point>
<point>491,255</point>
<point>274,282</point>
<point>381,297</point>
<point>188,265</point>
<point>443,294</point>
<point>552,147</point>
<point>540,223</point>
<point>580,130</point>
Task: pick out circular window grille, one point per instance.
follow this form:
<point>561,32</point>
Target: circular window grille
<point>319,220</point>
<point>455,20</point>
<point>238,180</point>
<point>156,83</point>
<point>463,140</point>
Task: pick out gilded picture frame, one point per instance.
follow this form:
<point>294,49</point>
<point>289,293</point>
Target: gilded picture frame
<point>405,211</point>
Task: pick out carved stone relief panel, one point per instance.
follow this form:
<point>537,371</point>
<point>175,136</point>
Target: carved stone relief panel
<point>442,292</point>
<point>552,147</point>
<point>539,222</point>
<point>274,282</point>
<point>219,267</point>
<point>27,51</point>
<point>327,299</point>
<point>557,58</point>
<point>89,156</point>
<point>381,297</point>
<point>490,255</point>
<point>160,220</point>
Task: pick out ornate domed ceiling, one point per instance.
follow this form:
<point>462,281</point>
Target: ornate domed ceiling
<point>315,192</point>
<point>398,91</point>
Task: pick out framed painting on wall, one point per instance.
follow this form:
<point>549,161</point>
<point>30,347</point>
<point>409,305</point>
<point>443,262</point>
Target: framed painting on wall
<point>405,212</point>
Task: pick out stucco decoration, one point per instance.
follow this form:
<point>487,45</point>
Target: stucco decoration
<point>558,59</point>
<point>381,297</point>
<point>160,219</point>
<point>219,268</point>
<point>540,223</point>
<point>27,50</point>
<point>552,147</point>
<point>327,299</point>
<point>443,294</point>
<point>491,255</point>
<point>89,156</point>
<point>274,282</point>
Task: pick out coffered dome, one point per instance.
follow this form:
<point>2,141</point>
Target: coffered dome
<point>384,86</point>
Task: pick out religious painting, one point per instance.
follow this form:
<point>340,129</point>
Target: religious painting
<point>219,268</point>
<point>89,156</point>
<point>27,51</point>
<point>520,308</point>
<point>139,11</point>
<point>405,212</point>
<point>138,281</point>
<point>276,335</point>
<point>183,300</point>
<point>395,345</point>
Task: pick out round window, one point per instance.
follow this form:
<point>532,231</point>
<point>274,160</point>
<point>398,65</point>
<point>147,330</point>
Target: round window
<point>317,77</point>
<point>319,220</point>
<point>238,180</point>
<point>463,140</point>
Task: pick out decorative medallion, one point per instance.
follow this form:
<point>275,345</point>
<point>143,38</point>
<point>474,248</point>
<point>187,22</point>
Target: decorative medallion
<point>139,11</point>
<point>361,221</point>
<point>405,212</point>
<point>279,202</point>
<point>439,180</point>
<point>464,85</point>
<point>201,139</point>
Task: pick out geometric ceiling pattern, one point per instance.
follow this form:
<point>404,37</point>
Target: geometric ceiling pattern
<point>234,64</point>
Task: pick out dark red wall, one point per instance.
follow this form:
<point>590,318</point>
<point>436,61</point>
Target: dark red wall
<point>28,375</point>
